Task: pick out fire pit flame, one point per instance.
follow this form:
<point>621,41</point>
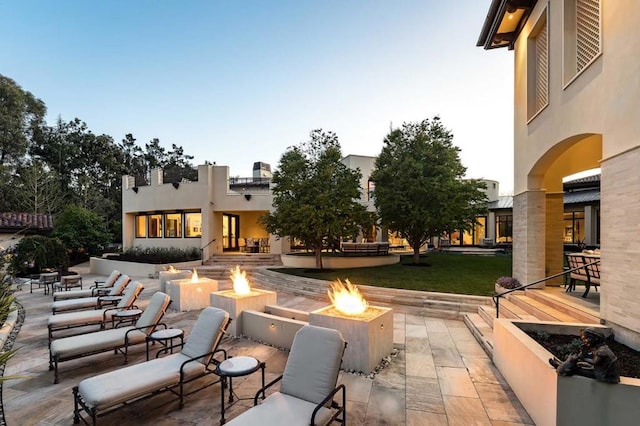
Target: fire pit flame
<point>240,282</point>
<point>170,268</point>
<point>346,298</point>
<point>194,276</point>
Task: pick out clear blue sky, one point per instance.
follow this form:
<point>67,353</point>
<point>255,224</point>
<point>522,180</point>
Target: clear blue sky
<point>240,81</point>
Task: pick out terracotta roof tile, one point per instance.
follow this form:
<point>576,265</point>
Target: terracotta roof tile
<point>23,220</point>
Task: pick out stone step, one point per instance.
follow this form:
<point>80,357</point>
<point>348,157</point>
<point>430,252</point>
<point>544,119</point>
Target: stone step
<point>481,331</point>
<point>580,312</point>
<point>539,309</point>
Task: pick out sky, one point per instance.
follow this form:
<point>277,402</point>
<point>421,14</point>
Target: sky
<point>235,82</point>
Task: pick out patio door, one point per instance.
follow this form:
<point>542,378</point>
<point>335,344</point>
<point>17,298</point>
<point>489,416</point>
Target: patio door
<point>230,231</point>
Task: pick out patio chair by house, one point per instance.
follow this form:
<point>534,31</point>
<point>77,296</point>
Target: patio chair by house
<point>308,384</point>
<point>95,302</point>
<point>100,317</point>
<point>115,339</point>
<point>99,286</point>
<point>102,394</point>
<point>580,272</point>
<point>264,245</point>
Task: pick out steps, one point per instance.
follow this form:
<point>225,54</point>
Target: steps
<point>439,305</point>
<point>530,305</point>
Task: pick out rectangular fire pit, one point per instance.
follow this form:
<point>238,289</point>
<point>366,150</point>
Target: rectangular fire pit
<point>235,304</point>
<point>166,276</point>
<point>187,295</point>
<point>369,335</point>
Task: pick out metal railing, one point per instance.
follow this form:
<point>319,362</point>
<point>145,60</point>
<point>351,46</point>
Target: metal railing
<point>202,250</point>
<point>496,298</point>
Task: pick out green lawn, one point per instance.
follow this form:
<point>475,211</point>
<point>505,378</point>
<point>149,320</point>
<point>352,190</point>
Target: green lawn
<point>447,273</point>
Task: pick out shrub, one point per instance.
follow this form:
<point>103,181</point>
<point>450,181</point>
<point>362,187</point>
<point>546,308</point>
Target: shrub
<point>35,253</point>
<point>508,282</point>
<point>157,255</point>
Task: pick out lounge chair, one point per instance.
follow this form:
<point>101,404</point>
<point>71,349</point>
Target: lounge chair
<point>308,384</point>
<point>99,286</point>
<point>115,339</point>
<point>102,394</point>
<point>94,316</point>
<point>95,302</point>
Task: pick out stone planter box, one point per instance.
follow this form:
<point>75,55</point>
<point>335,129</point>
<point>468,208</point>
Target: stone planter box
<point>338,262</point>
<point>553,400</point>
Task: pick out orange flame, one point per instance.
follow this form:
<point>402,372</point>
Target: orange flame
<point>346,298</point>
<point>240,282</point>
<point>194,276</point>
<point>170,268</point>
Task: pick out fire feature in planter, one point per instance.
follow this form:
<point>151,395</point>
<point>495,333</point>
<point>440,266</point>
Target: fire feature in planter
<point>241,298</point>
<point>190,294</point>
<point>367,329</point>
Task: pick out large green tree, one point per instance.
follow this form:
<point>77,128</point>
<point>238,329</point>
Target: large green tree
<point>419,187</point>
<point>315,196</point>
<point>82,232</point>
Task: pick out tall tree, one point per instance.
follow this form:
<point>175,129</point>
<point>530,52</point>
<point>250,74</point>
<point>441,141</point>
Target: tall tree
<point>420,191</point>
<point>21,121</point>
<point>315,196</point>
<point>36,190</point>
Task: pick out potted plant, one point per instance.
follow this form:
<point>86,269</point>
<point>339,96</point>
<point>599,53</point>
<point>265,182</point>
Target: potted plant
<point>506,283</point>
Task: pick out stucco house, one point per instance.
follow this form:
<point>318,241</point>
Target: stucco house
<point>15,226</point>
<point>576,103</point>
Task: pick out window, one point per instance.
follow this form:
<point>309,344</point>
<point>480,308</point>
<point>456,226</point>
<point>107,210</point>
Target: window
<point>173,225</point>
<point>538,68</point>
<point>582,36</point>
<point>574,227</point>
<point>371,187</point>
<point>155,226</point>
<point>192,225</point>
<point>141,226</point>
<point>504,228</point>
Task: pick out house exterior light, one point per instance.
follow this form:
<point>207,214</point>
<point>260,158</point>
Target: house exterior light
<point>504,22</point>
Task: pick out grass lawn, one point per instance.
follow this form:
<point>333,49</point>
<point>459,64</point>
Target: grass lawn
<point>445,273</point>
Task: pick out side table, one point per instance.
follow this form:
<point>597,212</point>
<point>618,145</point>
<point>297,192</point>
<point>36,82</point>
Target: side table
<point>165,337</point>
<point>238,366</point>
<point>127,316</point>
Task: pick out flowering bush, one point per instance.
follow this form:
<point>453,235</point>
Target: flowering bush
<point>508,282</point>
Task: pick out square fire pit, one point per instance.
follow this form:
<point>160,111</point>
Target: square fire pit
<point>190,296</point>
<point>235,304</point>
<point>369,335</point>
<point>166,276</point>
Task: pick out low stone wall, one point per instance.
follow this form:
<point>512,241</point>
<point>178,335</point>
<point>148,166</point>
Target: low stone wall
<point>100,266</point>
<point>553,400</point>
<point>339,262</point>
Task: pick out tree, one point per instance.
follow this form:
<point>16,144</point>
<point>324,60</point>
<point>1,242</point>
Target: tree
<point>35,189</point>
<point>34,253</point>
<point>315,196</point>
<point>82,231</point>
<point>419,187</point>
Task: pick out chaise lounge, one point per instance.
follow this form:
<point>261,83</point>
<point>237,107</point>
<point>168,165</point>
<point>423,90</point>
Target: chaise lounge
<point>102,394</point>
<point>69,320</point>
<point>95,302</point>
<point>95,290</point>
<point>116,339</point>
<point>308,384</point>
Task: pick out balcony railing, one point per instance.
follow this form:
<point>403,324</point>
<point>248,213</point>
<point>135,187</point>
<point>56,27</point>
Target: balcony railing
<point>249,184</point>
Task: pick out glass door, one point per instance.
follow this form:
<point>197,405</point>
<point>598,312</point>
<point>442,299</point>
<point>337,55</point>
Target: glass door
<point>230,231</point>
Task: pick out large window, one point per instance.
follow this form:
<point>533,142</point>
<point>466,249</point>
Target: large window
<point>582,36</point>
<point>504,228</point>
<point>173,225</point>
<point>192,225</point>
<point>141,226</point>
<point>478,232</point>
<point>155,226</point>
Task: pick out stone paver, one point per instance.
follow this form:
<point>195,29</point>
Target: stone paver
<point>439,376</point>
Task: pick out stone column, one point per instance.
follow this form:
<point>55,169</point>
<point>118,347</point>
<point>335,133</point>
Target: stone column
<point>554,247</point>
<point>620,246</point>
<point>529,236</point>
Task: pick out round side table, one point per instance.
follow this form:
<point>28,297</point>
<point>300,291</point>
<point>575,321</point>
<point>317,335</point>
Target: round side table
<point>238,366</point>
<point>165,337</point>
<point>127,316</point>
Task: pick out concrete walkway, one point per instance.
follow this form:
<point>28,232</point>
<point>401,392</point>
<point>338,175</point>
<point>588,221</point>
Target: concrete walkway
<point>439,376</point>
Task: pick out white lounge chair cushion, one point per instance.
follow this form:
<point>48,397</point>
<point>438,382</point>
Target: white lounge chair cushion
<point>125,384</point>
<point>281,409</point>
<point>77,318</point>
<point>313,365</point>
<point>202,340</point>
<point>92,342</point>
<point>154,311</point>
<point>71,304</point>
